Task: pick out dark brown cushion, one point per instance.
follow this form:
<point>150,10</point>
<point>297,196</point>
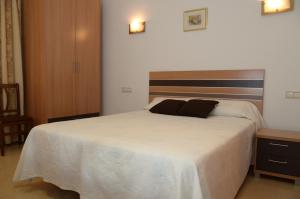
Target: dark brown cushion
<point>168,107</point>
<point>197,108</point>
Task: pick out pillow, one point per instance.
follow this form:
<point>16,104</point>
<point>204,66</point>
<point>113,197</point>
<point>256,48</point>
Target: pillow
<point>243,109</point>
<point>158,100</point>
<point>197,108</point>
<point>168,107</point>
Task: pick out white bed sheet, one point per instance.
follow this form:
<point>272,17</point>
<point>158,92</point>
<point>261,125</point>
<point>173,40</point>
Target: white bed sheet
<point>140,155</point>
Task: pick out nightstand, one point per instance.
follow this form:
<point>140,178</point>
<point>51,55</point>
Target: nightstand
<point>278,154</point>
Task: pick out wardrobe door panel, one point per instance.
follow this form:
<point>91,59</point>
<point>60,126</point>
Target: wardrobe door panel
<point>60,57</point>
<point>88,56</point>
<point>33,57</point>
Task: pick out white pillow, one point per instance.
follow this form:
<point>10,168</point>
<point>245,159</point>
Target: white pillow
<point>243,109</point>
<point>228,108</point>
<point>158,100</point>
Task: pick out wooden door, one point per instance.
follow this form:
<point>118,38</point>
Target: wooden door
<point>33,57</point>
<point>88,55</point>
<point>60,57</point>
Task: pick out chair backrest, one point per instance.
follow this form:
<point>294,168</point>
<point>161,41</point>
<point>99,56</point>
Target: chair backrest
<point>9,99</point>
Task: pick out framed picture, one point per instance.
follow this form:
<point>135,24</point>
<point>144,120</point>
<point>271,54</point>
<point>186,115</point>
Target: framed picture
<point>195,19</point>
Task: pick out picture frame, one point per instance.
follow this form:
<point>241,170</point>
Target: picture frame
<point>195,19</point>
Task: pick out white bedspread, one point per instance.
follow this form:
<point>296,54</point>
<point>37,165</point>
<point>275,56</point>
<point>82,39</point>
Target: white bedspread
<point>140,155</point>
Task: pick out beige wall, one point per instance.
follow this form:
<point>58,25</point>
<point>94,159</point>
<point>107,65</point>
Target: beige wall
<point>238,37</point>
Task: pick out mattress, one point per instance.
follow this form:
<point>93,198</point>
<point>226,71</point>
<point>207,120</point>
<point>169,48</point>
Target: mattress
<point>141,155</point>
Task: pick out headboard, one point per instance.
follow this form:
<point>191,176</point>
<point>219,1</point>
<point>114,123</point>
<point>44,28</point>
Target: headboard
<point>221,84</point>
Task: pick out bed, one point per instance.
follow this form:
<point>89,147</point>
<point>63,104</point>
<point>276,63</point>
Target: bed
<point>141,155</point>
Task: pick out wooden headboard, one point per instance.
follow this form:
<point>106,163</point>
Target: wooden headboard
<point>222,84</point>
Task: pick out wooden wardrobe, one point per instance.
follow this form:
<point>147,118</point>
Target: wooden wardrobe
<point>62,59</point>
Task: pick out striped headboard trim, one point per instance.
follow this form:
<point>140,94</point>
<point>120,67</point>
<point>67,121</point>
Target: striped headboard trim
<point>226,84</point>
<point>210,83</point>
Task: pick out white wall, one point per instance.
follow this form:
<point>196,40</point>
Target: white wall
<point>238,37</point>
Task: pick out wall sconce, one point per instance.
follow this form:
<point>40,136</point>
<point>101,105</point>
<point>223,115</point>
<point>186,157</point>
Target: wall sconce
<point>137,26</point>
<point>276,6</point>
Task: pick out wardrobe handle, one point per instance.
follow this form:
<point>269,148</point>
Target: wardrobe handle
<point>76,66</point>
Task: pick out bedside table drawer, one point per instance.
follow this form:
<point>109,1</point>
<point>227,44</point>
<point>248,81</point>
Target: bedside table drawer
<point>278,156</point>
<point>279,164</point>
<point>277,147</point>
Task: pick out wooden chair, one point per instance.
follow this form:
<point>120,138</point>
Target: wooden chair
<point>12,123</point>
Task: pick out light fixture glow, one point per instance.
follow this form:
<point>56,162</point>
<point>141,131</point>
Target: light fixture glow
<point>276,6</point>
<point>137,26</point>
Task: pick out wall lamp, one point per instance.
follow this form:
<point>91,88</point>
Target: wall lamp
<point>137,26</point>
<point>276,6</point>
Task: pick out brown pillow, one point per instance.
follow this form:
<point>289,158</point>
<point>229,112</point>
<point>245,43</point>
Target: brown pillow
<point>197,108</point>
<point>168,107</point>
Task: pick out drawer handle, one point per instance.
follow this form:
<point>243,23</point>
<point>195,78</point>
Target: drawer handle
<point>280,145</point>
<point>278,162</point>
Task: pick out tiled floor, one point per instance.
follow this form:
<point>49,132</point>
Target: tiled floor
<point>253,188</point>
